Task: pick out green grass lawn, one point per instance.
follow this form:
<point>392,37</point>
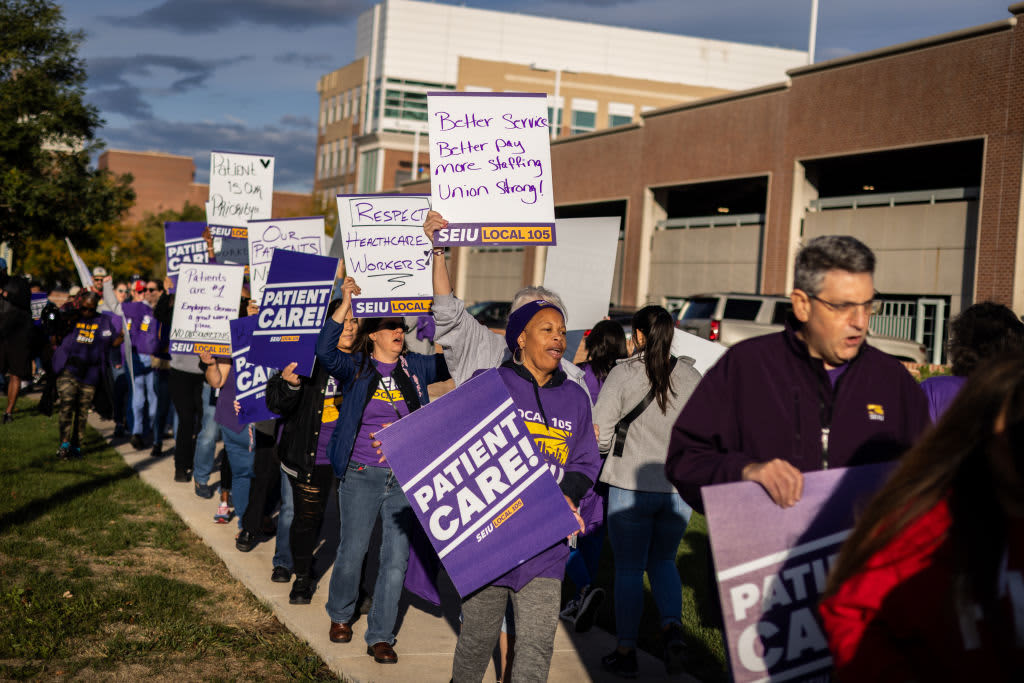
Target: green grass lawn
<point>99,578</point>
<point>699,614</point>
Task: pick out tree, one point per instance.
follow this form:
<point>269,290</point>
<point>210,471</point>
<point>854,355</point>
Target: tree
<point>47,133</point>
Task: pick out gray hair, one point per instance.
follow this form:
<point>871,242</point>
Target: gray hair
<point>830,252</point>
<point>528,294</point>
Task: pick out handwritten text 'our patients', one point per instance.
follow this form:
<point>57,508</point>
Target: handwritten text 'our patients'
<point>509,155</point>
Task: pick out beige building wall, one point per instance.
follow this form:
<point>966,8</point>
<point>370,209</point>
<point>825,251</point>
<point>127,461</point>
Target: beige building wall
<point>492,275</point>
<point>697,260</point>
<point>919,248</point>
<point>605,96</point>
<point>342,101</point>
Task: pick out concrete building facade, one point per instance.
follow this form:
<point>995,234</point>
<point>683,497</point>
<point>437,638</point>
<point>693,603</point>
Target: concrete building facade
<point>917,149</point>
<point>373,111</point>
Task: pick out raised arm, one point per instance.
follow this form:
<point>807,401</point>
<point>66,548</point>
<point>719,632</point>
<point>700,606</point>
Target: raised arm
<point>336,362</point>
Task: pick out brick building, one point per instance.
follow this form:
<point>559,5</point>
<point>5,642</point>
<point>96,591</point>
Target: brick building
<point>167,181</point>
<point>916,149</point>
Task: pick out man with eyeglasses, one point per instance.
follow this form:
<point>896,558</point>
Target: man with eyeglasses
<point>808,398</point>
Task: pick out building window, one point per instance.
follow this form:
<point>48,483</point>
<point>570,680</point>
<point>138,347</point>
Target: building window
<point>342,158</point>
<point>619,114</point>
<point>368,171</point>
<point>357,104</point>
<point>584,116</point>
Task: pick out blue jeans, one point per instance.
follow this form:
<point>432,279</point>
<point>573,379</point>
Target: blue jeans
<point>584,559</point>
<point>143,392</point>
<point>164,409</point>
<point>364,493</point>
<point>645,529</point>
<point>206,442</point>
<point>282,544</point>
<point>122,398</point>
<point>240,455</point>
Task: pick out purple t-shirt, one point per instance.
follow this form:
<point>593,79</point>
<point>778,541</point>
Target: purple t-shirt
<point>328,420</point>
<point>593,383</point>
<point>142,326</point>
<point>386,406</point>
<point>224,415</point>
<point>84,350</point>
<point>941,391</point>
<point>835,373</point>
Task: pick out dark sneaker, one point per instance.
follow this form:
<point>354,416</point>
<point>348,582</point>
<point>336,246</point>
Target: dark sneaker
<point>281,575</point>
<point>620,664</point>
<point>302,590</point>
<point>137,442</point>
<point>76,452</point>
<point>8,418</point>
<point>158,450</point>
<point>245,541</point>
<point>590,600</point>
<point>183,476</point>
<point>204,490</point>
<point>677,654</point>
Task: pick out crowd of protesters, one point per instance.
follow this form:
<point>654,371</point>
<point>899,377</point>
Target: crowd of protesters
<point>639,433</point>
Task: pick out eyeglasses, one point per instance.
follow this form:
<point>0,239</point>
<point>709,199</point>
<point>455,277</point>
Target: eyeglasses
<point>152,289</point>
<point>122,290</point>
<point>392,325</point>
<point>871,306</point>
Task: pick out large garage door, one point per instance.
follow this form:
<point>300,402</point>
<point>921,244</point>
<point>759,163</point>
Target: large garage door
<point>493,274</point>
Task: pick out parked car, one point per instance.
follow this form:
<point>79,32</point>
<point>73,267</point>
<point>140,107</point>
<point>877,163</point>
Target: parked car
<point>493,314</point>
<point>729,318</point>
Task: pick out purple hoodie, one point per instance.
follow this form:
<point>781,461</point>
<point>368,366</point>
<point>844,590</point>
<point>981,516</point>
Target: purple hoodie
<point>559,418</point>
<point>767,398</point>
<point>143,327</point>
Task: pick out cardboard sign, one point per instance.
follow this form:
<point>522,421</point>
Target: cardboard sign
<point>303,235</point>
<point>241,189</point>
<point>84,274</point>
<point>206,301</point>
<point>771,564</point>
<point>250,380</point>
<point>490,168</point>
<point>183,243</point>
<point>703,352</point>
<point>387,253</point>
<point>294,307</point>
<point>482,493</point>
<point>581,268</point>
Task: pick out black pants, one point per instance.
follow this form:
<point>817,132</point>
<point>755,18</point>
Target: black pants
<point>310,501</point>
<point>265,490</point>
<point>187,395</point>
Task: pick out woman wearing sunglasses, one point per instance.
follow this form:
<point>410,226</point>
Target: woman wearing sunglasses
<point>380,383</point>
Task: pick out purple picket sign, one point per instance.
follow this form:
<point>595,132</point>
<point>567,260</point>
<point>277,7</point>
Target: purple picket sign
<point>771,564</point>
<point>250,380</point>
<point>484,497</point>
<point>183,243</point>
<point>386,307</point>
<point>293,310</point>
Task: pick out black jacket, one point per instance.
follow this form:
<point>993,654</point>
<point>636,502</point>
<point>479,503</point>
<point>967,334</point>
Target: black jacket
<point>301,409</point>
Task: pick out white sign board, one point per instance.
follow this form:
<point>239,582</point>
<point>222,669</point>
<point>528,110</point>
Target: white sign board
<point>581,268</point>
<point>386,252</point>
<point>490,168</point>
<point>304,235</point>
<point>703,352</point>
<point>230,245</point>
<point>241,189</point>
<point>205,302</point>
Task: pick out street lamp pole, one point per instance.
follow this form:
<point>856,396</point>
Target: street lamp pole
<point>557,109</point>
<point>814,32</point>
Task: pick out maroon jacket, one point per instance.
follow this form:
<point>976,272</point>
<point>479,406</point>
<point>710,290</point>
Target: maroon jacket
<point>767,398</point>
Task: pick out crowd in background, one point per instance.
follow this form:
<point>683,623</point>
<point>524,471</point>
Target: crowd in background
<point>630,434</point>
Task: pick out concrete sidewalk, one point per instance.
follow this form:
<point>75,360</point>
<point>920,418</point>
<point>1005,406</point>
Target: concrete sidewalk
<point>426,634</point>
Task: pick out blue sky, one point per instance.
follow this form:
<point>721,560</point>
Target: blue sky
<point>188,76</point>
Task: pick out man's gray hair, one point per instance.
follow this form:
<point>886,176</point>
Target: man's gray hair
<point>830,252</point>
<point>528,294</point>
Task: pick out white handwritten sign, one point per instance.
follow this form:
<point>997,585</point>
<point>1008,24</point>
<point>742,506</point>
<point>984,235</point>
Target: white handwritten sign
<point>490,168</point>
<point>206,301</point>
<point>304,235</point>
<point>386,252</point>
<point>241,190</point>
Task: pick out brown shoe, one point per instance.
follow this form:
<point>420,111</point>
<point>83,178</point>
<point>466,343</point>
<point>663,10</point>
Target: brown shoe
<point>382,653</point>
<point>340,633</point>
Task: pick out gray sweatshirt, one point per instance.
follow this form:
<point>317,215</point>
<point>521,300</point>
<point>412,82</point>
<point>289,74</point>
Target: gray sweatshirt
<point>469,346</point>
<point>642,465</point>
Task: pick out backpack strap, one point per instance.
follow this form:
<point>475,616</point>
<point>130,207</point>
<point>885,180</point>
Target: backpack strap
<point>622,427</point>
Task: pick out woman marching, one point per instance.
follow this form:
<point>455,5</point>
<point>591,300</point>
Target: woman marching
<point>557,412</point>
<point>380,383</point>
<point>310,410</point>
<point>639,403</point>
<point>928,586</point>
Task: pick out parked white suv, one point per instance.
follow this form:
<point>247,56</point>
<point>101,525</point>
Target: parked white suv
<point>728,319</point>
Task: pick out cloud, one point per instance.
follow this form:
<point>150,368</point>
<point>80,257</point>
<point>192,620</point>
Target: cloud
<point>296,122</point>
<point>294,150</point>
<point>111,88</point>
<point>207,16</point>
<point>309,61</point>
